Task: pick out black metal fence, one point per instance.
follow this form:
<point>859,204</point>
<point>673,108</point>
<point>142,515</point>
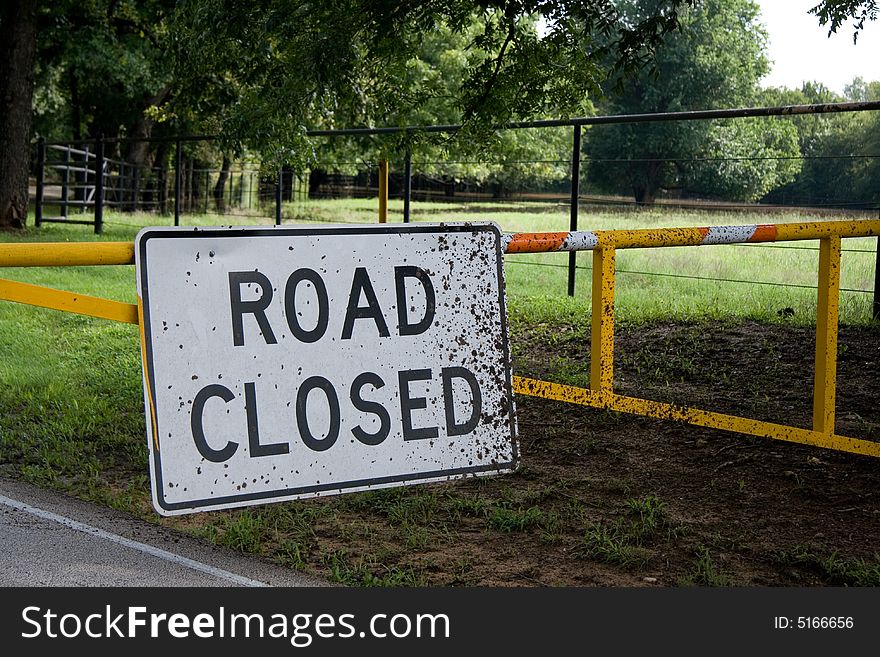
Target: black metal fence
<point>86,178</point>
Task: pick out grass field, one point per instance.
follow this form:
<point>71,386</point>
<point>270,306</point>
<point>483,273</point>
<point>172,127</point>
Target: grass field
<point>652,283</point>
<point>71,404</point>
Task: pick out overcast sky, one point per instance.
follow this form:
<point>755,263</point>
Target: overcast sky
<point>801,50</point>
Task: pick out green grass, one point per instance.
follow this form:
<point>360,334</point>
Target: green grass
<point>650,512</point>
<point>71,402</point>
<point>833,568</point>
<point>366,573</point>
<point>505,519</point>
<point>536,283</point>
<point>614,543</point>
<point>706,572</point>
<point>624,542</point>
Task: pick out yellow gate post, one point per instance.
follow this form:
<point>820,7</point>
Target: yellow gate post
<point>825,381</point>
<point>602,330</point>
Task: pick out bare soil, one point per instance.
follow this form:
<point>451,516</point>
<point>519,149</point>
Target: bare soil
<point>764,512</point>
<point>607,499</point>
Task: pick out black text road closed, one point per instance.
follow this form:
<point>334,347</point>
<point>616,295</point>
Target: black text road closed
<point>293,362</point>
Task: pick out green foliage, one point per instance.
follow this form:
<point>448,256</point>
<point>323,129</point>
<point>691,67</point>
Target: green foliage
<point>99,64</point>
<point>834,13</point>
<point>840,150</point>
<point>716,60</point>
<point>293,65</point>
<point>520,159</point>
<point>745,159</point>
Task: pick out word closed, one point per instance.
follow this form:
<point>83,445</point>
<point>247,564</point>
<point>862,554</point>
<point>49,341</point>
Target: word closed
<point>293,362</point>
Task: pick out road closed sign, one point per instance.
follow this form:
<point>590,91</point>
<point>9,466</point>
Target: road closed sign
<point>294,362</point>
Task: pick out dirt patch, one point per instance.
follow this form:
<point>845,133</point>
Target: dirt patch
<point>607,499</point>
<point>754,511</point>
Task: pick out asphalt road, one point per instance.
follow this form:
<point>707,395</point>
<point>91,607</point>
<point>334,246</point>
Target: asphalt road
<point>48,539</point>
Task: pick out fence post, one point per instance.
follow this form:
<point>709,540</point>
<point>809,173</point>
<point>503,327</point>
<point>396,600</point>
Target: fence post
<point>41,172</point>
<point>827,304</point>
<point>278,195</point>
<point>137,188</point>
<point>99,185</point>
<point>876,314</point>
<point>407,186</point>
<point>178,162</point>
<point>602,325</point>
<point>383,191</point>
<point>575,195</point>
<point>207,188</point>
<point>65,183</point>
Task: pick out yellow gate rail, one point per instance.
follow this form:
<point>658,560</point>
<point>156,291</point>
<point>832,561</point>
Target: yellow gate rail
<point>604,244</point>
<point>601,391</point>
<point>66,254</point>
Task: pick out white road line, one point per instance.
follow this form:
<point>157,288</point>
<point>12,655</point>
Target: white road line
<point>134,545</point>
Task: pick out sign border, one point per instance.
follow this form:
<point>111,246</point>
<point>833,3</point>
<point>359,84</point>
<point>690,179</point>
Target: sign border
<point>249,499</point>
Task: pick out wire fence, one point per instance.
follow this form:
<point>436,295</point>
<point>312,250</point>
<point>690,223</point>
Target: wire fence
<point>237,191</point>
<point>70,182</point>
<point>714,279</point>
<point>78,179</point>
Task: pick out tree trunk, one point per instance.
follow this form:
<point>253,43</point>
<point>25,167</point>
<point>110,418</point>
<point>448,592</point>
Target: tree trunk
<point>647,183</point>
<point>644,194</point>
<point>317,177</point>
<point>138,152</point>
<point>219,197</point>
<point>75,109</point>
<point>18,38</point>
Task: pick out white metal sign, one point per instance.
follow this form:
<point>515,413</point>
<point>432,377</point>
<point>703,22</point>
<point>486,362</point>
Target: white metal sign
<point>292,362</point>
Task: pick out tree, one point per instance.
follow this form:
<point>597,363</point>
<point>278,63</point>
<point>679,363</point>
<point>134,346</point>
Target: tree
<point>105,61</point>
<point>504,159</point>
<point>835,13</point>
<point>744,159</point>
<point>716,60</point>
<point>263,72</point>
<point>99,65</point>
<point>840,163</point>
<point>294,64</point>
<point>18,30</point>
